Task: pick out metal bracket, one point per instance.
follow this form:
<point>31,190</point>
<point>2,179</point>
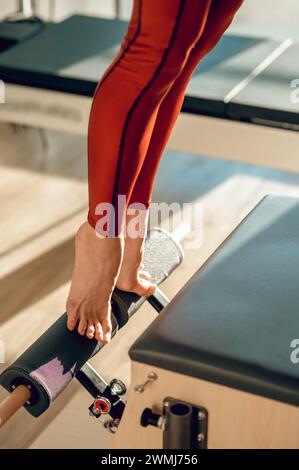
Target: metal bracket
<point>184,425</point>
<point>158,300</point>
<point>107,399</point>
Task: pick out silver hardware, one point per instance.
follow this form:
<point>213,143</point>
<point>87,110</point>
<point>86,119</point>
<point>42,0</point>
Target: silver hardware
<point>152,376</point>
<point>101,406</point>
<point>111,425</point>
<point>201,415</point>
<point>118,387</point>
<point>201,437</point>
<point>161,423</point>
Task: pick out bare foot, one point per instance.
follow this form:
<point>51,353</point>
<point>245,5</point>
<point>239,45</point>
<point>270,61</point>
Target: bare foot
<point>132,277</point>
<point>95,273</point>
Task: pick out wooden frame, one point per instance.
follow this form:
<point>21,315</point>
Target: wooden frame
<point>237,419</point>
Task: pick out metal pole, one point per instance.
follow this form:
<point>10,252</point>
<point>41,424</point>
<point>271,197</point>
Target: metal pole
<point>26,8</point>
<point>117,9</point>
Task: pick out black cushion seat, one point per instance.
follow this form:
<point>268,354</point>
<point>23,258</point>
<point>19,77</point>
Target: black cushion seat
<point>234,321</point>
<point>269,96</point>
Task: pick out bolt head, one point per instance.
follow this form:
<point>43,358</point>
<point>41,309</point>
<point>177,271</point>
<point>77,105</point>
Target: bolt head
<point>152,376</point>
<point>201,437</point>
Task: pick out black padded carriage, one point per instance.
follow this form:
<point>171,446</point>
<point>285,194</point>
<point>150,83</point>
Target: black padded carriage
<point>234,321</point>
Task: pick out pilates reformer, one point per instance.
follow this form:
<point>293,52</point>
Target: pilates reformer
<point>50,78</point>
<point>215,369</point>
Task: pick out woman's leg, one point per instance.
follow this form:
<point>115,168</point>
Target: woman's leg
<point>153,54</point>
<point>128,97</point>
<point>220,16</point>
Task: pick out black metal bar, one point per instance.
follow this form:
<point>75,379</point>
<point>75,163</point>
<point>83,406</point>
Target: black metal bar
<point>91,380</point>
<point>97,386</point>
<point>158,300</point>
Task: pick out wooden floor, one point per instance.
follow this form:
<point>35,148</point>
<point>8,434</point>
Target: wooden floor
<point>43,195</point>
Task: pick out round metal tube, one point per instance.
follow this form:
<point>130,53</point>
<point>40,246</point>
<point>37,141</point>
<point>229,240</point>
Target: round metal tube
<point>178,430</point>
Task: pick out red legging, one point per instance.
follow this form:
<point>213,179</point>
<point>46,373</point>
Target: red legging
<point>140,95</point>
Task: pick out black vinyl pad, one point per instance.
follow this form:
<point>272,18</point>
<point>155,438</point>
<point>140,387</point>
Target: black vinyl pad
<point>269,95</point>
<point>53,360</point>
<point>14,32</point>
<point>232,60</point>
<point>70,56</point>
<point>234,321</point>
<point>50,364</point>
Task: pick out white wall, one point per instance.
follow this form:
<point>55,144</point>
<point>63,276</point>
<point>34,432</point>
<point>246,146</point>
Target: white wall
<point>268,18</point>
<point>58,9</point>
<point>7,7</point>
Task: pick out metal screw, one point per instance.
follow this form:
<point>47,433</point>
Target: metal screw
<point>111,425</point>
<point>13,387</point>
<point>28,403</point>
<point>201,437</point>
<point>201,415</point>
<point>152,376</point>
<point>29,387</point>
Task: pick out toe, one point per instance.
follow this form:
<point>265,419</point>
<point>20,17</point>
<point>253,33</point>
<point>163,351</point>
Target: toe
<point>145,275</point>
<point>82,326</point>
<point>107,330</point>
<point>90,332</point>
<point>72,314</point>
<point>98,332</point>
<point>145,288</point>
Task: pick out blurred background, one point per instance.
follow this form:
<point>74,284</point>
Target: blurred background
<point>257,17</point>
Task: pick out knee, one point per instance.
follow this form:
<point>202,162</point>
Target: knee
<point>208,41</point>
<point>216,27</point>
